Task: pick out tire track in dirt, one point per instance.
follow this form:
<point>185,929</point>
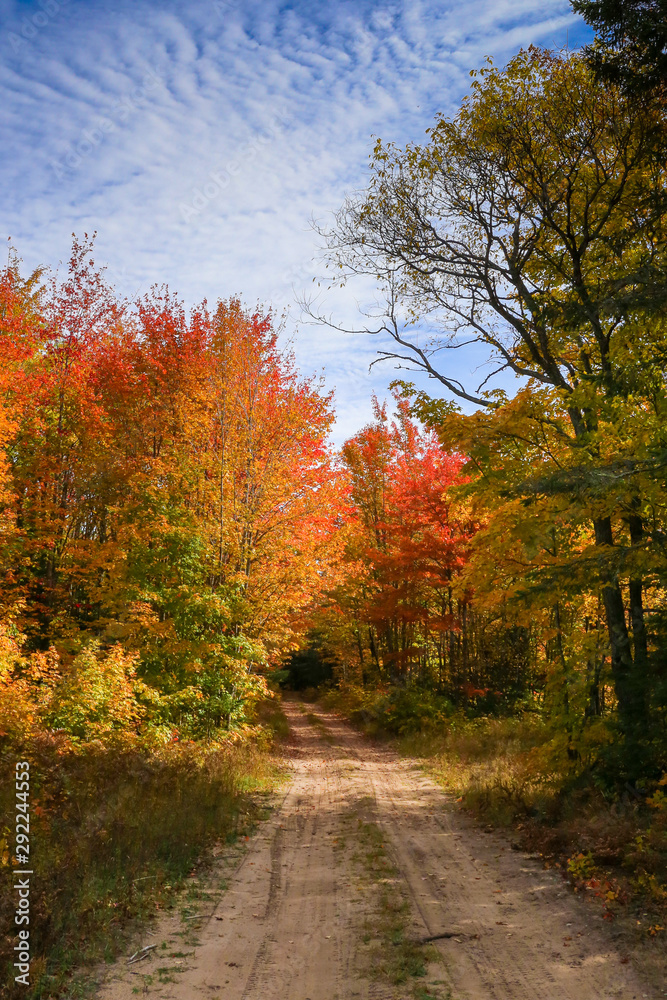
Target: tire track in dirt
<point>506,928</point>
<point>290,925</point>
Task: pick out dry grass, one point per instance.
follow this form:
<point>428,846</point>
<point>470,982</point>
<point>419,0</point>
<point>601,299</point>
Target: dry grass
<point>115,830</point>
<point>512,773</point>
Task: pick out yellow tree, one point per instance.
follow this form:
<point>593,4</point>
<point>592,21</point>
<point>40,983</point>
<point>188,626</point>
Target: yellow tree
<point>532,225</point>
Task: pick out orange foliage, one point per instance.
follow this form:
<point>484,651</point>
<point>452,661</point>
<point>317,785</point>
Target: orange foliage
<point>166,484</point>
<point>408,546</point>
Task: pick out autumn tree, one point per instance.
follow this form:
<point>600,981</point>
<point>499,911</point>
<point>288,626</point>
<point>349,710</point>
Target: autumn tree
<point>406,543</point>
<point>168,488</point>
<point>20,333</point>
<point>532,224</point>
<point>60,477</point>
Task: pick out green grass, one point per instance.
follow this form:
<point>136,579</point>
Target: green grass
<point>399,958</point>
<point>315,720</point>
<point>394,955</point>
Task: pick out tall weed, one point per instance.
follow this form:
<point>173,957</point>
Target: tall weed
<point>116,825</point>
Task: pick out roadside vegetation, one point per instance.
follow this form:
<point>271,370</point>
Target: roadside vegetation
<point>509,772</point>
<point>117,826</point>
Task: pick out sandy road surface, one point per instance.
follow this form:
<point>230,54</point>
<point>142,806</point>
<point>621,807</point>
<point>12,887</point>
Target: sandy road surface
<point>294,921</point>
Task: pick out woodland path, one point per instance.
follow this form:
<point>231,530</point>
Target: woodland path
<point>299,917</point>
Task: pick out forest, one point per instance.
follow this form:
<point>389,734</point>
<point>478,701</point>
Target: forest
<point>515,554</point>
<point>480,566</point>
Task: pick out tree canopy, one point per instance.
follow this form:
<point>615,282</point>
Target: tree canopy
<point>167,491</point>
<point>532,224</point>
<point>631,44</point>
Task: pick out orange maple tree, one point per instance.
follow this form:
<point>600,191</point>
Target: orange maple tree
<point>168,487</point>
<point>406,547</point>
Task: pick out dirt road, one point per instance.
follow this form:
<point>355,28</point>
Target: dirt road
<point>302,917</point>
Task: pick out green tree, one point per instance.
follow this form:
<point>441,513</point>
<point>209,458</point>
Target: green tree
<point>631,44</point>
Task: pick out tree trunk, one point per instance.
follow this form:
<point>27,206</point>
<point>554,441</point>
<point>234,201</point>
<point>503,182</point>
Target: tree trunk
<point>639,637</point>
<point>628,692</point>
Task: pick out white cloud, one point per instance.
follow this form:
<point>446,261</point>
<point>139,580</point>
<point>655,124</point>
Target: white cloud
<point>121,120</point>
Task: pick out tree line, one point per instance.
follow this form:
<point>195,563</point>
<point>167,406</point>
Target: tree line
<point>167,498</point>
<point>174,519</point>
<point>531,225</point>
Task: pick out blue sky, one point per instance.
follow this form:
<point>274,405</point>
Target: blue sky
<point>199,138</point>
